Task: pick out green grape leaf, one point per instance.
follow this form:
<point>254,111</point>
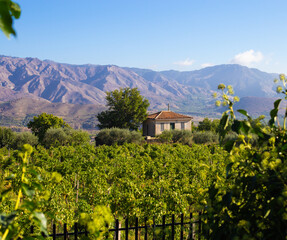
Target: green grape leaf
<point>276,103</point>
<point>243,112</point>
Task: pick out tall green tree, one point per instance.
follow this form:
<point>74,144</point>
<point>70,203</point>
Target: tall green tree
<point>127,109</point>
<point>208,125</point>
<point>40,124</point>
<point>9,11</point>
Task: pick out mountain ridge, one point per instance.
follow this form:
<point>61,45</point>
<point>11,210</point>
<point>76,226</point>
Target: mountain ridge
<point>188,91</point>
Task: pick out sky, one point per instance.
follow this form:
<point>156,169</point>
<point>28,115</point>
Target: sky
<point>161,35</point>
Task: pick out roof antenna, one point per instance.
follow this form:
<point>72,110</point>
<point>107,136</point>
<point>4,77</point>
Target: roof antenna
<point>168,107</point>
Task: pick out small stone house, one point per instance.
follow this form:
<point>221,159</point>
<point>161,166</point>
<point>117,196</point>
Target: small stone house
<point>156,123</point>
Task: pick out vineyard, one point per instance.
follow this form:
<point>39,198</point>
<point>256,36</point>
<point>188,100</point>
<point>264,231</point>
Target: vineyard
<point>235,189</point>
<point>133,180</point>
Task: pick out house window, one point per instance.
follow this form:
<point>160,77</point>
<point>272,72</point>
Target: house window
<point>182,126</point>
<point>172,126</point>
<point>162,127</point>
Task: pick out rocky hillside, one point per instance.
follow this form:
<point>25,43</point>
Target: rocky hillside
<point>85,84</point>
<point>47,82</point>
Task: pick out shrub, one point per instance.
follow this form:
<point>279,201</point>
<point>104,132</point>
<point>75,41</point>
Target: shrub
<point>166,136</point>
<point>78,137</point>
<point>182,136</point>
<point>65,136</point>
<point>174,136</point>
<point>24,138</point>
<point>205,137</point>
<point>55,137</point>
<point>110,136</point>
<point>6,137</point>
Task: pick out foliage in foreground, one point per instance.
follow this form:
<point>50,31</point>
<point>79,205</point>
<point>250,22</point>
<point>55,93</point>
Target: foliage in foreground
<point>9,10</point>
<point>28,196</point>
<point>252,204</point>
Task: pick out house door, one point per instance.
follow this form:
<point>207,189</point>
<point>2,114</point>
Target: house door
<point>172,126</point>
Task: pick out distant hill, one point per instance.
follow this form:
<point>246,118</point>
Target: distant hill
<point>44,83</point>
<point>20,111</point>
<point>246,81</point>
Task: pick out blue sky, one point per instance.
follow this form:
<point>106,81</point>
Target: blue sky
<point>156,34</point>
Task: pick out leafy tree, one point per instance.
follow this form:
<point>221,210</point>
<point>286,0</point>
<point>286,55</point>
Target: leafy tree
<point>40,124</point>
<point>208,125</point>
<point>9,11</point>
<point>204,125</point>
<point>127,109</point>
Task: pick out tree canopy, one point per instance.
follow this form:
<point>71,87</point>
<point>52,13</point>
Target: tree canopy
<point>40,124</point>
<point>208,125</point>
<point>127,109</point>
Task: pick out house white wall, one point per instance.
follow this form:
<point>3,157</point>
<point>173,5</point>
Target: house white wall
<point>153,127</point>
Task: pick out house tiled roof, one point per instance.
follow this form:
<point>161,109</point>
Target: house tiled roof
<point>165,115</point>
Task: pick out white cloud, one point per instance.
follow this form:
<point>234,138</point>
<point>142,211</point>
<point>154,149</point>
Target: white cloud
<point>204,65</point>
<point>186,62</point>
<point>248,58</point>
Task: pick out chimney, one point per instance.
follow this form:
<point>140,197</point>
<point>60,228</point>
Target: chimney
<point>168,107</point>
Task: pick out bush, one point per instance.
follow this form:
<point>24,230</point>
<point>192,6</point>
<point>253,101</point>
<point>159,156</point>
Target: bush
<point>166,136</point>
<point>6,137</point>
<point>205,137</point>
<point>174,136</point>
<point>78,137</point>
<point>65,136</point>
<point>110,136</point>
<point>24,138</point>
<point>55,137</point>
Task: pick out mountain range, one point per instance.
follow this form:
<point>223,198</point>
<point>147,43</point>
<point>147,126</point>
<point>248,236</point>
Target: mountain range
<point>29,86</point>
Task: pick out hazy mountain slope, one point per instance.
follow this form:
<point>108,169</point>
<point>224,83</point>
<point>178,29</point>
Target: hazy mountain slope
<point>83,84</point>
<point>246,81</point>
<point>87,84</point>
<point>48,80</point>
<point>9,94</point>
<point>259,106</point>
<point>20,111</point>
